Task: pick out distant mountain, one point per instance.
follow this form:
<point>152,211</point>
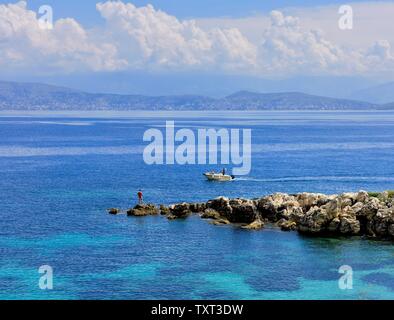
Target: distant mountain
<point>32,96</point>
<point>388,106</point>
<point>289,101</point>
<point>378,94</point>
<point>209,84</point>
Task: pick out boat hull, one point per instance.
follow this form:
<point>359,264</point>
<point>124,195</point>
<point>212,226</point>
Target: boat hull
<point>218,177</point>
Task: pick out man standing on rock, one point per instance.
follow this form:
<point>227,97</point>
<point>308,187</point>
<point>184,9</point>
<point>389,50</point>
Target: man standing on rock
<point>140,197</point>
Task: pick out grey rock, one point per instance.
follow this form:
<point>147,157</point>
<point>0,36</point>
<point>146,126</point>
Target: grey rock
<point>113,211</point>
<point>141,210</point>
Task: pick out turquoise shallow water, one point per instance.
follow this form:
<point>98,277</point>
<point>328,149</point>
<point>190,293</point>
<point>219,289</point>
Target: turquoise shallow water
<point>60,173</point>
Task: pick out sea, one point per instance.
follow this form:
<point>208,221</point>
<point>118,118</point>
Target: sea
<point>61,171</point>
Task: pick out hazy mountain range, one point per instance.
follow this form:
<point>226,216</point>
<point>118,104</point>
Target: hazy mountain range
<point>35,96</point>
<point>383,93</point>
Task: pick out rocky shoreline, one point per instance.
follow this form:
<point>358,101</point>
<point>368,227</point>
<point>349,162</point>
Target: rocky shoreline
<point>360,213</point>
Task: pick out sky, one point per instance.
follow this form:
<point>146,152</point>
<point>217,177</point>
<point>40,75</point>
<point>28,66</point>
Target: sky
<point>177,46</point>
<point>84,11</point>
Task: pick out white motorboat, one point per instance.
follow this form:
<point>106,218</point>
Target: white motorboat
<point>212,176</point>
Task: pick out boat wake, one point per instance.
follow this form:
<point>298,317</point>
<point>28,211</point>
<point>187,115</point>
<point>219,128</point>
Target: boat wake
<point>320,178</point>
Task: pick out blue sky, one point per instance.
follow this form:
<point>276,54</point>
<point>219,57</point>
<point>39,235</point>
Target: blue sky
<point>84,10</point>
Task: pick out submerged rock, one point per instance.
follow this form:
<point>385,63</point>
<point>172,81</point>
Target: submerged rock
<point>219,222</point>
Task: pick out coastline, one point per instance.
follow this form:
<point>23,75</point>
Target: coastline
<point>349,214</point>
<point>175,113</point>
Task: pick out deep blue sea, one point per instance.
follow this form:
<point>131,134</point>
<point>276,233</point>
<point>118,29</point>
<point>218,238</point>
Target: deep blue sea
<point>60,172</point>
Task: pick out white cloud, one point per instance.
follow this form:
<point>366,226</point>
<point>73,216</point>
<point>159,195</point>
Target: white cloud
<point>372,21</point>
<point>66,47</point>
<point>151,38</point>
<point>380,50</point>
<point>379,57</point>
<point>288,48</point>
<point>143,38</point>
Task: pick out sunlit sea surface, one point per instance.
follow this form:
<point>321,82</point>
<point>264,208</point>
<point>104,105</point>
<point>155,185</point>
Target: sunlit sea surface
<point>60,172</point>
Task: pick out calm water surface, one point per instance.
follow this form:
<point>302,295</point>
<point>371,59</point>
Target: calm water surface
<point>60,172</point>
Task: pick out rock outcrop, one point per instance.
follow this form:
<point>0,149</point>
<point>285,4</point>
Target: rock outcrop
<point>210,214</point>
<point>141,210</point>
<point>358,213</point>
<point>180,210</point>
<point>113,210</point>
<point>255,225</point>
<point>164,211</point>
<point>287,225</point>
